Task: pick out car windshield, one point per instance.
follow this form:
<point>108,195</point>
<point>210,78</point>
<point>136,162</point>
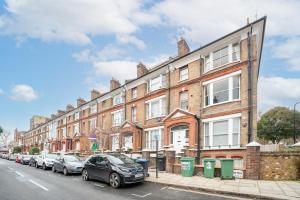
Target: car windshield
<point>120,159</point>
<point>71,158</point>
<point>26,156</point>
<point>51,156</point>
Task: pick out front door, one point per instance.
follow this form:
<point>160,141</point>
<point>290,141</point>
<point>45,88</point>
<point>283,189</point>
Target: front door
<point>179,139</point>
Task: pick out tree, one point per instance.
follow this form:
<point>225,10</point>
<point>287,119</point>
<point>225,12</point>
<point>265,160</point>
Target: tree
<point>17,150</point>
<point>277,124</point>
<point>34,150</point>
<point>4,137</point>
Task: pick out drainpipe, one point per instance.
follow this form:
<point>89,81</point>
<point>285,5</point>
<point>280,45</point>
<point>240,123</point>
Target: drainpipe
<point>198,139</point>
<point>169,88</point>
<point>250,103</point>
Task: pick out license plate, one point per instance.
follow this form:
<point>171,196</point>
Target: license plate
<point>139,175</point>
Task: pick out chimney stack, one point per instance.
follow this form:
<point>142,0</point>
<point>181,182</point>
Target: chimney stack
<point>60,112</point>
<point>114,84</point>
<point>80,101</point>
<point>95,94</point>
<point>183,47</point>
<point>141,69</point>
<point>69,107</point>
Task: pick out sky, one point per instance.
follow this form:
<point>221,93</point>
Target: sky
<point>54,51</point>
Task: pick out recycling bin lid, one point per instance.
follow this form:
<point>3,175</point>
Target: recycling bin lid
<point>226,159</point>
<point>187,159</point>
<point>209,159</point>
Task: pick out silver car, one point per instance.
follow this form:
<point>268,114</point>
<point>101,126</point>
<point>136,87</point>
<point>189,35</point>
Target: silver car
<point>68,164</point>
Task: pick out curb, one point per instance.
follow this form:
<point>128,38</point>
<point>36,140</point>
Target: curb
<point>253,196</point>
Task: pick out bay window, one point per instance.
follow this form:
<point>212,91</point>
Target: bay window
<point>154,135</point>
<point>222,90</point>
<point>117,117</point>
<point>222,133</point>
<point>156,107</point>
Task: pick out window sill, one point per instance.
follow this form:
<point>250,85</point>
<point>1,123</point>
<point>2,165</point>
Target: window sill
<point>225,102</point>
<point>222,67</point>
<point>156,117</point>
<point>222,148</point>
<point>184,80</point>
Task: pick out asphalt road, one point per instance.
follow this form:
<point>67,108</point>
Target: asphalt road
<point>19,182</point>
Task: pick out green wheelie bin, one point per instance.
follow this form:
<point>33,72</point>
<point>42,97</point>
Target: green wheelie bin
<point>227,168</point>
<point>209,167</point>
<point>187,166</point>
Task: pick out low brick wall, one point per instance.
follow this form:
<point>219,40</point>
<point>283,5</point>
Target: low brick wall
<point>280,165</point>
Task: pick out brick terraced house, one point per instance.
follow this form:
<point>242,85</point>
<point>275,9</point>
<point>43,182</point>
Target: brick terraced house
<point>201,103</point>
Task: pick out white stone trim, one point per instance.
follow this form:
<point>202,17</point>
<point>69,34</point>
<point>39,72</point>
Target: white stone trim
<point>154,128</point>
<point>222,117</point>
<point>222,77</point>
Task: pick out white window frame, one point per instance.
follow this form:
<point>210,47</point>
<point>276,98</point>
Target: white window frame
<point>210,84</point>
<point>118,99</point>
<point>230,119</point>
<point>134,93</point>
<point>76,115</point>
<point>93,123</point>
<point>159,83</point>
<point>150,131</point>
<point>93,108</point>
<point>208,59</point>
<point>133,113</point>
<point>181,101</point>
<point>128,145</point>
<point>120,120</point>
<point>184,73</point>
<point>76,128</point>
<point>115,145</point>
<point>162,111</point>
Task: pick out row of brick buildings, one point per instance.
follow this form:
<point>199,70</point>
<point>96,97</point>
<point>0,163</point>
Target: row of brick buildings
<point>203,101</point>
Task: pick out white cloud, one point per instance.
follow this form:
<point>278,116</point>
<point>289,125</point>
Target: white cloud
<point>203,21</point>
<point>73,21</point>
<point>1,92</point>
<point>108,52</point>
<point>119,69</point>
<point>289,51</point>
<point>23,92</point>
<point>130,39</point>
<point>277,91</point>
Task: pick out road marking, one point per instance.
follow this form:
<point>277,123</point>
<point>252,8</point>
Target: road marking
<point>98,185</point>
<point>208,194</point>
<point>141,196</point>
<point>163,188</point>
<point>35,183</point>
<point>19,174</point>
<point>10,168</point>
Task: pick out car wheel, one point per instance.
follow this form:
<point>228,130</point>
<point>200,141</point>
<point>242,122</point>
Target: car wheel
<point>65,171</point>
<point>114,180</point>
<point>85,175</point>
<point>53,169</point>
<point>44,166</point>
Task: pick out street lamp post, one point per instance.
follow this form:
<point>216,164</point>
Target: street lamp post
<point>295,121</point>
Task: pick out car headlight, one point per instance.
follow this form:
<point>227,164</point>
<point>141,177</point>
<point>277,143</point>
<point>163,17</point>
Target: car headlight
<point>123,169</point>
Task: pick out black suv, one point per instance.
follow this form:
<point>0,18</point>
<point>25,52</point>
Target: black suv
<point>115,169</point>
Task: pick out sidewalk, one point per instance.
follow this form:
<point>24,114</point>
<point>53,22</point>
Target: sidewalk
<point>243,187</point>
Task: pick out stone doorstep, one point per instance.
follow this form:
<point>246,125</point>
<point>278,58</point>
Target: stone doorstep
<point>221,191</point>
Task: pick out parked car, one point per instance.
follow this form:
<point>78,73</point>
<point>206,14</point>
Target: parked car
<point>18,158</point>
<point>25,159</point>
<point>115,169</point>
<point>32,160</point>
<point>68,164</point>
<point>45,161</point>
<point>12,157</point>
